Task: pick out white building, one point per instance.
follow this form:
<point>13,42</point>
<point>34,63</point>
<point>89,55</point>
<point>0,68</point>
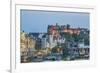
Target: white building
<point>61,40</point>
<point>44,42</point>
<point>52,41</point>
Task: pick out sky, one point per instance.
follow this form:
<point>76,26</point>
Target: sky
<point>37,21</point>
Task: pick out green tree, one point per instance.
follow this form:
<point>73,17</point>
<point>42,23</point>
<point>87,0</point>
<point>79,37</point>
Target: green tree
<point>75,37</point>
<point>68,26</point>
<point>67,36</point>
<point>65,51</point>
<point>54,49</point>
<point>84,35</point>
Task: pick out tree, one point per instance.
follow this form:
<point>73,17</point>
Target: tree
<point>68,26</point>
<point>54,49</point>
<point>75,37</point>
<point>67,36</point>
<point>65,51</point>
<point>86,41</point>
<point>84,35</point>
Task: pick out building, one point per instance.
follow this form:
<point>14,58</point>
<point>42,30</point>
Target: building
<point>52,41</point>
<point>57,29</point>
<point>31,45</point>
<point>27,46</point>
<point>23,47</point>
<point>83,50</point>
<point>44,41</point>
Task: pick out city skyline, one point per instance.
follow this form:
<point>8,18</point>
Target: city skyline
<point>54,36</point>
<point>38,21</point>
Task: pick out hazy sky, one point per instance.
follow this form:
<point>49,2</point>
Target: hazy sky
<point>37,21</point>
